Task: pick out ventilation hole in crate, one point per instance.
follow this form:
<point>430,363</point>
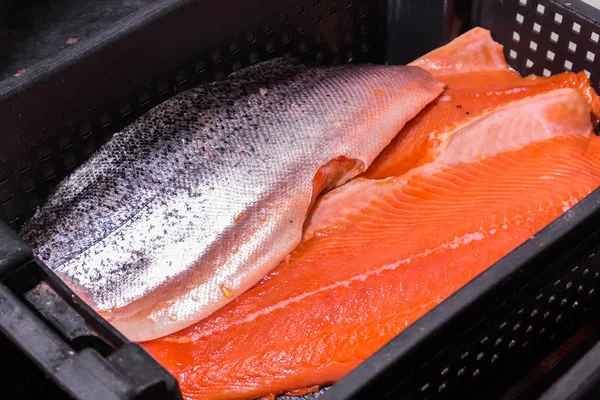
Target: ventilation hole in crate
<point>64,140</point>
<point>269,48</point>
<point>125,109</point>
<point>521,310</point>
<point>364,29</point>
<point>528,63</point>
<point>445,371</point>
<point>464,355</point>
<point>498,341</point>
<point>516,37</point>
<point>591,292</point>
<point>3,177</point>
<point>44,154</point>
<point>334,29</point>
<point>301,28</point>
<point>6,196</point>
<point>569,285</point>
<point>590,56</point>
<point>216,56</point>
<point>533,45</point>
<point>162,88</point>
<point>539,296</point>
<point>480,356</point>
<point>558,317</point>
<point>253,57</point>
<point>546,314</point>
<point>551,299</point>
<point>299,9</point>
<point>529,329</point>
<point>333,11</point>
<point>460,372</point>
<point>523,2</point>
<point>542,331</point>
<point>442,387</point>
<point>516,327</point>
<point>348,3</point>
<point>303,46</point>
<point>587,73</point>
<point>586,271</point>
<point>425,387</point>
<point>575,304</point>
<point>318,20</point>
<point>580,288</point>
<point>476,372</point>
<point>572,47</point>
<point>563,302</point>
<point>23,165</point>
<point>534,312</point>
<point>267,28</point>
<point>48,172</point>
<point>558,18</point>
<point>557,282</point>
<point>364,10</point>
<point>594,37</point>
<point>348,37</point>
<point>233,48</point>
<point>27,184</point>
<point>236,66</point>
<point>537,27</point>
<point>596,275</point>
<point>144,99</point>
<point>512,54</point>
<point>85,131</point>
<point>32,204</point>
<point>349,56</point>
<point>568,64</point>
<point>554,37</point>
<point>503,325</point>
<point>576,27</point>
<point>68,160</point>
<point>11,215</point>
<point>540,9</point>
<point>520,18</point>
<point>286,37</point>
<point>319,38</point>
<point>105,120</point>
<point>284,19</point>
<point>592,255</point>
<point>550,55</point>
<point>484,340</point>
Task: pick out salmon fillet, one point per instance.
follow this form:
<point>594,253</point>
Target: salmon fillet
<point>193,203</point>
<point>478,78</point>
<point>378,254</point>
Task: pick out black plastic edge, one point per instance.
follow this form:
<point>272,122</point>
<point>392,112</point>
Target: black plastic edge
<point>457,310</point>
<point>407,37</point>
<point>13,250</point>
<point>75,347</point>
<point>580,382</point>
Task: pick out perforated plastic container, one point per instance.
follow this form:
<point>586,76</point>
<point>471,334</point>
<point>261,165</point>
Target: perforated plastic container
<point>479,342</point>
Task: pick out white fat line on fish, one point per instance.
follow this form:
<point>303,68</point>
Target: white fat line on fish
<point>501,92</point>
<point>455,243</point>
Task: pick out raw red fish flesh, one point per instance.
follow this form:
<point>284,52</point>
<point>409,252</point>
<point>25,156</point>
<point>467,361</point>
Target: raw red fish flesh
<point>378,254</point>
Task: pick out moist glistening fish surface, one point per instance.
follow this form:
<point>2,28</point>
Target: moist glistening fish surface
<point>197,200</point>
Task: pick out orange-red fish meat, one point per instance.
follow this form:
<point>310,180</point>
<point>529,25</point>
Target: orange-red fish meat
<point>379,253</point>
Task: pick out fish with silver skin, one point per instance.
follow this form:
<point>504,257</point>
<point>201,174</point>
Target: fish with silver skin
<point>197,200</point>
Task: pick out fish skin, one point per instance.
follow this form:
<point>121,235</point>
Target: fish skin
<point>399,247</point>
<point>242,351</point>
<point>198,199</point>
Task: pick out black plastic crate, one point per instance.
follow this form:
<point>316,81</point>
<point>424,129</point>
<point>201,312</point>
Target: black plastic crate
<point>477,343</point>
